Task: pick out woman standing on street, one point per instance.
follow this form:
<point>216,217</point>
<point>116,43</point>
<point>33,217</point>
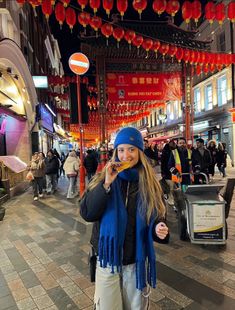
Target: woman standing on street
<point>71,168</point>
<point>129,213</point>
<point>37,167</point>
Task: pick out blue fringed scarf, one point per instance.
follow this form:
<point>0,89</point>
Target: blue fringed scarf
<point>113,229</point>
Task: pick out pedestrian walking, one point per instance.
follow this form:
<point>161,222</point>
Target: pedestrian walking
<point>52,168</point>
<point>37,167</point>
<point>128,212</point>
<point>71,168</point>
<point>211,146</point>
<point>165,172</point>
<point>62,161</point>
<point>221,159</point>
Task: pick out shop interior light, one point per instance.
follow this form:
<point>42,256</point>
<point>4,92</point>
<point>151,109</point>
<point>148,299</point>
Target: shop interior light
<point>50,109</point>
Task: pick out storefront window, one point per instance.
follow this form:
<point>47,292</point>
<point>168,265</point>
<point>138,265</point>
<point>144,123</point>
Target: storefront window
<point>208,97</point>
<point>221,90</point>
<point>197,100</point>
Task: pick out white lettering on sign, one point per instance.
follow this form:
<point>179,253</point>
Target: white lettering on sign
<point>79,63</point>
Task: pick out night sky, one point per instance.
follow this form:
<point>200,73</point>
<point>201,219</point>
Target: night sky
<point>69,43</point>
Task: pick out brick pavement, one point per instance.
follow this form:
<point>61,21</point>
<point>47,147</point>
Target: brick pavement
<point>43,261</point>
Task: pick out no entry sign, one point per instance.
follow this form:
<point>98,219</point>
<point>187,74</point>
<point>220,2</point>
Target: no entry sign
<point>79,63</point>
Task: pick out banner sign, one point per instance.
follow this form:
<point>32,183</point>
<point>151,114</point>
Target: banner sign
<point>144,86</point>
<point>208,221</point>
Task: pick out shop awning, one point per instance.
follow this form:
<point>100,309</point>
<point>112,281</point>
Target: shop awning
<point>13,163</point>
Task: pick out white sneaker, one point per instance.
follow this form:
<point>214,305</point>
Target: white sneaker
<point>35,198</point>
<point>40,195</point>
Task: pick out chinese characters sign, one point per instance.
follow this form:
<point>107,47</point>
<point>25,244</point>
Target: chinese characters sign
<point>144,86</point>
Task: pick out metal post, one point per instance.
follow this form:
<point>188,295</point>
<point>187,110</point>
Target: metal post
<point>82,168</point>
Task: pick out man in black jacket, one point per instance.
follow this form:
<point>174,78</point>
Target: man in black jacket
<point>52,168</point>
<point>201,160</point>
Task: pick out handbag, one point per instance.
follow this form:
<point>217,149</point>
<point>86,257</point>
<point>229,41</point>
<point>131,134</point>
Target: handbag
<point>92,261</point>
<point>29,176</point>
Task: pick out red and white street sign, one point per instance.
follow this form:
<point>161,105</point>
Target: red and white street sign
<point>79,63</point>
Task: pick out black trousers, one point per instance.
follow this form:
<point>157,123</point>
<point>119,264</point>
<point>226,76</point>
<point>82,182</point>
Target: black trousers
<point>37,183</point>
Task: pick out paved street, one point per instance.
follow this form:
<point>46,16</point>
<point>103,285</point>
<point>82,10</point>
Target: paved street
<point>43,261</point>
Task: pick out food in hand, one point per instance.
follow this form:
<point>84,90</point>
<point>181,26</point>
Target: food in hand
<point>120,165</point>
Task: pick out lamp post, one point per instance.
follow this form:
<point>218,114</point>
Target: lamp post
<point>79,64</point>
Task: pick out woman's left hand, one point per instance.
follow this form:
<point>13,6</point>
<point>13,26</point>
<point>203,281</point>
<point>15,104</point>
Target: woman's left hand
<point>161,230</point>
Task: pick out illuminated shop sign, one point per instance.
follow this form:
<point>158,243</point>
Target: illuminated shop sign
<point>40,81</point>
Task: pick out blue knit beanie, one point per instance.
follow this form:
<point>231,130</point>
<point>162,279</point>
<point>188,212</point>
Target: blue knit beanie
<point>129,135</point>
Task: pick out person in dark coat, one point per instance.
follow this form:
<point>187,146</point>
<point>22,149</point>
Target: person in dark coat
<point>211,146</point>
<point>221,159</point>
<point>201,160</point>
<point>166,153</point>
<point>151,153</point>
<point>52,168</point>
<point>90,163</point>
<point>129,213</point>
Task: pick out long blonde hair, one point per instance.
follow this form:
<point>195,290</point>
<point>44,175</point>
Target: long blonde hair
<point>149,187</point>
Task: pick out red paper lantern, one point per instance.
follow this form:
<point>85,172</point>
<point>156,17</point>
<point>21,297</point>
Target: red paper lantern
<point>122,7</point>
<point>220,12</point>
<point>70,17</point>
<point>212,67</point>
<point>156,46</point>
<point>96,23</point>
<point>107,30</point>
<point>84,19</point>
<point>186,55</point>
<point>60,13</point>
<point>137,41</point>
<point>95,4</point>
<point>159,6</point>
<point>191,56</point>
<point>205,69</point>
<point>179,54</point>
<point>163,49</point>
<point>172,50</point>
<point>107,5</point>
<point>172,7</point>
<point>66,3</point>
<point>187,11</point>
<point>129,36</point>
<point>147,45</point>
<point>118,34</point>
<point>231,11</point>
<point>139,6</point>
<point>210,12</point>
<point>198,69</point>
<point>196,57</point>
<point>21,2</point>
<point>82,3</point>
<point>196,10</point>
<point>47,8</point>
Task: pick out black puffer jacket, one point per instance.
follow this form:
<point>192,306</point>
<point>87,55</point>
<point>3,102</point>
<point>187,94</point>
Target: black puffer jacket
<point>52,165</point>
<point>93,205</point>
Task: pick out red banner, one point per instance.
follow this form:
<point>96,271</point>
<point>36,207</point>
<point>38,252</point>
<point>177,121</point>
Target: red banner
<point>144,86</point>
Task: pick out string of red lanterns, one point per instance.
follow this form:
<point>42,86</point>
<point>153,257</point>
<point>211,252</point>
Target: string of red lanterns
<point>212,12</point>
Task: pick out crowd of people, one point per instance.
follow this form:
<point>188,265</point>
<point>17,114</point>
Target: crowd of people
<point>46,170</point>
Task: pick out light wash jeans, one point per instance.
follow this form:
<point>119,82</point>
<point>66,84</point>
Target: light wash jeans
<point>115,291</point>
<point>72,187</point>
<point>51,180</point>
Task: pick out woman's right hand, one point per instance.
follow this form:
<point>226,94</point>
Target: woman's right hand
<point>110,175</point>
